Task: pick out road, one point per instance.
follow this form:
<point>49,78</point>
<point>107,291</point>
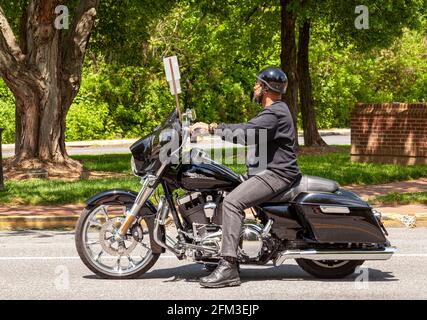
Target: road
<point>343,139</point>
<point>44,265</point>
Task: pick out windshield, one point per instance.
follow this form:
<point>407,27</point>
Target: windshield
<point>171,133</point>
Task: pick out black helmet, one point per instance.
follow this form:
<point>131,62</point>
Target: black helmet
<point>274,78</point>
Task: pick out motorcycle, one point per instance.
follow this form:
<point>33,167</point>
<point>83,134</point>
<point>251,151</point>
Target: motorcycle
<point>121,234</point>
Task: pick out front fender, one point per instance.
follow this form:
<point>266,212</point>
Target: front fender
<point>127,198</point>
<point>118,197</point>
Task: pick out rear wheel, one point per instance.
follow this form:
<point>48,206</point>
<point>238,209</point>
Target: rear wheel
<point>329,269</point>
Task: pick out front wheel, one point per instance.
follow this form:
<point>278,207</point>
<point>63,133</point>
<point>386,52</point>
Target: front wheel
<point>329,269</point>
<point>103,254</point>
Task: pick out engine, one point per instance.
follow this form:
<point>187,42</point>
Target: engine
<point>202,214</point>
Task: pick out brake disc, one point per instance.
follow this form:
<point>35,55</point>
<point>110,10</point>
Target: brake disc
<point>118,247</point>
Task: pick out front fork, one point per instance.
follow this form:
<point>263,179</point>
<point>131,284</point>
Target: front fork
<point>149,184</point>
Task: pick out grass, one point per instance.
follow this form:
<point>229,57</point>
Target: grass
<point>335,166</point>
<point>55,192</point>
<point>394,198</point>
<point>106,162</point>
<point>338,167</point>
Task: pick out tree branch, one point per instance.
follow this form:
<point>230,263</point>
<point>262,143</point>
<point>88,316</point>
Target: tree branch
<point>10,52</point>
<point>74,47</point>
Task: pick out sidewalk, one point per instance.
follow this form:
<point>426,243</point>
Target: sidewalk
<point>367,192</point>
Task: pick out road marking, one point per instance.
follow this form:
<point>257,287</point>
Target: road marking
<point>56,258</point>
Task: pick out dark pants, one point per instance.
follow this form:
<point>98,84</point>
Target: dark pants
<point>256,190</point>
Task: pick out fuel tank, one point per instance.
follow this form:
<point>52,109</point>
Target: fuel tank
<point>207,176</point>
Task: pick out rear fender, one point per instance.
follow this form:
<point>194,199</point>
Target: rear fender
<point>127,198</point>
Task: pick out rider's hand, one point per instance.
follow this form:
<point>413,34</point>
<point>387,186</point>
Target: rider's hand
<point>199,125</point>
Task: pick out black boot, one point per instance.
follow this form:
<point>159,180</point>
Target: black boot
<point>226,274</point>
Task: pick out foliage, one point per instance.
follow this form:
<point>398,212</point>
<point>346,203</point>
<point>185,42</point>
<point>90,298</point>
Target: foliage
<point>221,45</point>
<point>343,76</point>
<point>7,113</point>
<point>117,102</point>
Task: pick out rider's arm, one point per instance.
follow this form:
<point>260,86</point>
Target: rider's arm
<point>249,132</point>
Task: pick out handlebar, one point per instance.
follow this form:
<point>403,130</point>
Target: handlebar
<point>197,133</point>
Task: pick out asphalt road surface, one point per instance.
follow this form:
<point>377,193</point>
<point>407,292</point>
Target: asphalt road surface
<point>45,265</point>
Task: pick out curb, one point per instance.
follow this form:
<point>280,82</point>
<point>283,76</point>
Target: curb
<point>16,223</point>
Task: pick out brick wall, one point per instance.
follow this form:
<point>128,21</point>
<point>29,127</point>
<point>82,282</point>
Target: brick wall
<point>389,133</point>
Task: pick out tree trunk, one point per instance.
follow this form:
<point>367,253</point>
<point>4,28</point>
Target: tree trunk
<point>311,133</point>
<point>288,57</point>
<point>44,71</point>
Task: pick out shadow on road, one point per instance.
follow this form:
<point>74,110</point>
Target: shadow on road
<point>192,273</point>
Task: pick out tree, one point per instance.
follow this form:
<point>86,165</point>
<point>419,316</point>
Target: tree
<point>295,63</point>
<point>308,113</point>
<point>42,67</point>
<point>288,57</point>
<point>388,19</point>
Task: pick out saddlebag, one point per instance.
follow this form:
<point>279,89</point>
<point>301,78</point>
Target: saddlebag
<point>338,218</point>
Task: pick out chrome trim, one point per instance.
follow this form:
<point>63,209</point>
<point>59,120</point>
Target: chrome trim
<point>312,254</point>
<point>267,228</point>
<point>163,210</point>
<point>251,241</point>
<point>334,209</point>
<point>149,184</point>
<point>162,213</point>
<point>209,210</point>
<point>197,247</point>
<point>133,166</point>
<point>377,214</point>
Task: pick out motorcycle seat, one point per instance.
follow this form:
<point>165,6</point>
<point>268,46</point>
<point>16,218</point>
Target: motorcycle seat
<point>306,184</point>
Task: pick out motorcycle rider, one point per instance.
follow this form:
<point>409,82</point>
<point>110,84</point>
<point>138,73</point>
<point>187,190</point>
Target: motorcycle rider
<point>280,173</point>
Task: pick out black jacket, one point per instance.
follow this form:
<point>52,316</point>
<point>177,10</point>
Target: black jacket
<point>277,141</point>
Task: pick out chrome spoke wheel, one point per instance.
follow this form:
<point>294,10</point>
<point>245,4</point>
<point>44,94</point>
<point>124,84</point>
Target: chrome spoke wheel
<point>111,255</point>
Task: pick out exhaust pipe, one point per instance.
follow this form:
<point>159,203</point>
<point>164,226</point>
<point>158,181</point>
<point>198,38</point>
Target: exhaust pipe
<point>312,254</point>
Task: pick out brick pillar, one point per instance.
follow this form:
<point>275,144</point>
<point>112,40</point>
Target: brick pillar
<point>389,133</point>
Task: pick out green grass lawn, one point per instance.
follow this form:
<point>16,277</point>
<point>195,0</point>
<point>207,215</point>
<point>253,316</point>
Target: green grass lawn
<point>50,192</point>
<point>394,198</point>
<point>338,167</point>
<point>335,166</point>
<point>106,162</point>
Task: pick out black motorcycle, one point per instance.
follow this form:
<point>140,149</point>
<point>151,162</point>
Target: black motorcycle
<point>329,231</point>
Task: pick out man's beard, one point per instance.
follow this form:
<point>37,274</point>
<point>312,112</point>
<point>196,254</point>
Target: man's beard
<point>257,98</point>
